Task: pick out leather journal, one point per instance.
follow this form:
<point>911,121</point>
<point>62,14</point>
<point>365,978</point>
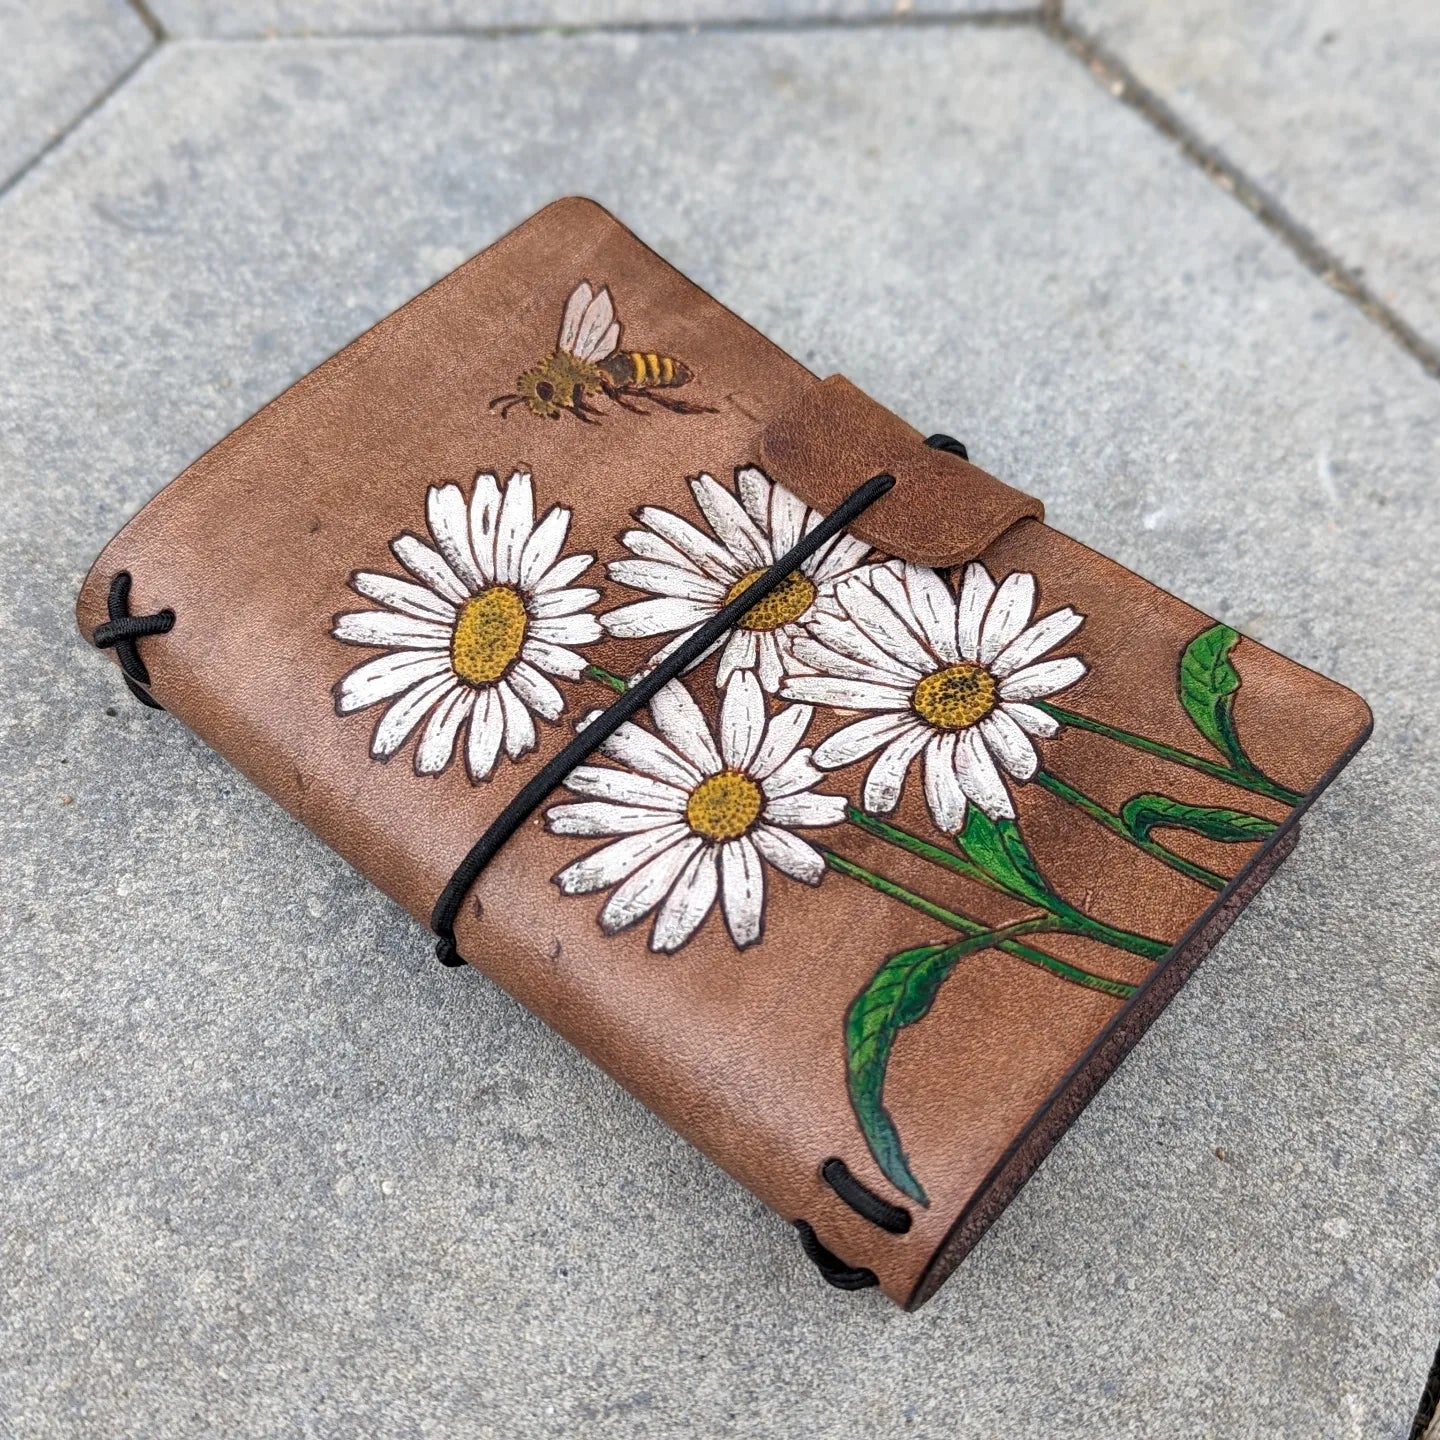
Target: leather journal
<point>785,762</point>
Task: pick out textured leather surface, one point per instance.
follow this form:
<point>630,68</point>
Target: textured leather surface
<point>943,510</point>
<point>742,1050</point>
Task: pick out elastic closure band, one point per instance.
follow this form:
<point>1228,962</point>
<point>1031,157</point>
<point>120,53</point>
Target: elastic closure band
<point>122,630</point>
<point>635,699</point>
<point>833,1270</point>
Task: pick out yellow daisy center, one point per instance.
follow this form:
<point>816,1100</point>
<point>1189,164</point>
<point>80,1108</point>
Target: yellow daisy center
<point>489,632</point>
<point>724,806</point>
<point>957,697</point>
<point>788,601</point>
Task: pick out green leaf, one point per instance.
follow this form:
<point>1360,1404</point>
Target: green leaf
<point>999,849</point>
<point>1208,682</point>
<point>900,993</point>
<point>1143,813</point>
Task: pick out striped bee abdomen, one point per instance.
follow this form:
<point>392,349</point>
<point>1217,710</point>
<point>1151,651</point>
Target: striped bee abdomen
<point>645,370</point>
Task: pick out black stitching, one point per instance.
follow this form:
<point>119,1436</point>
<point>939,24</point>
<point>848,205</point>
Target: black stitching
<point>122,630</point>
<point>862,1200</point>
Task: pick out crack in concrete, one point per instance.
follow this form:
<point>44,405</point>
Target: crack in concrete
<point>1121,84</point>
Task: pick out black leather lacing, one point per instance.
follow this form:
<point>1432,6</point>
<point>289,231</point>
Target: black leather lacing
<point>122,630</point>
<point>635,699</point>
<point>832,1268</point>
<point>862,1200</point>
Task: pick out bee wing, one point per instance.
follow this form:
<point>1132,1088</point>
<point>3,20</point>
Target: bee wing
<point>581,298</point>
<point>599,329</point>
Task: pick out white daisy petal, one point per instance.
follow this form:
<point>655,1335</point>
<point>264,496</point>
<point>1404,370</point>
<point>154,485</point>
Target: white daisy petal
<point>487,731</point>
<point>734,528</point>
<point>1030,719</point>
<point>713,559</point>
<point>815,656</point>
<point>770,666</point>
<point>1009,744</point>
<point>842,555</point>
<point>797,773</point>
<point>542,549</point>
<point>449,519</point>
<point>846,638</point>
<point>437,745</point>
<point>1041,680</point>
<point>782,735</point>
<point>517,521</point>
<point>484,513</point>
<point>742,890</point>
<point>845,694</point>
<point>566,630</point>
<point>806,809</point>
<point>679,719</point>
<point>553,659</point>
<point>646,545</point>
<point>858,739</point>
<point>564,571</point>
<point>520,733</point>
<point>979,778</point>
<point>683,582</point>
<point>1008,615</point>
<point>427,565</point>
<point>976,591</point>
<point>386,676</point>
<point>640,750</point>
<point>600,817</point>
<point>754,487</point>
<point>742,721</point>
<point>788,514</point>
<point>689,901</point>
<point>612,863</point>
<point>550,604</point>
<point>886,778</point>
<point>404,596</point>
<point>789,854</point>
<point>636,897</point>
<point>943,792</point>
<point>535,690</point>
<point>881,623</point>
<point>384,627</point>
<point>934,607</point>
<point>1031,644</point>
<point>656,617</point>
<point>601,782</point>
<point>889,584</point>
<point>407,712</point>
<point>741,648</point>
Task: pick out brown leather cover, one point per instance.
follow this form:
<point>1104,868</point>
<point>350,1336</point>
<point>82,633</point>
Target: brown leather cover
<point>784,958</point>
<point>943,510</point>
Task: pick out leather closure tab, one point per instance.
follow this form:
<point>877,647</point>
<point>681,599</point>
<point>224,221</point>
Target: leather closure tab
<point>943,510</point>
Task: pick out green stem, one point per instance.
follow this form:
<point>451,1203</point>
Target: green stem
<point>1097,811</point>
<point>1072,920</point>
<point>606,677</point>
<point>1251,780</point>
<point>1119,988</point>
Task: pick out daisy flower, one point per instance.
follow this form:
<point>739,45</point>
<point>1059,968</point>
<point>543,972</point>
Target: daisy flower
<point>492,616</point>
<point>697,819</point>
<point>944,675</point>
<point>692,575</point>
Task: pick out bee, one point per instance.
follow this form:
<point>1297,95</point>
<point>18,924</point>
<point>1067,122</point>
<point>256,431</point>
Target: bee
<point>586,363</point>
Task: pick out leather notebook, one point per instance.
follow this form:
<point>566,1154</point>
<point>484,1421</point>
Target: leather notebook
<point>924,810</point>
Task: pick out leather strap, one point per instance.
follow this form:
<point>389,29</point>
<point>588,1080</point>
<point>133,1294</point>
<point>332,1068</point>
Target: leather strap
<point>943,510</point>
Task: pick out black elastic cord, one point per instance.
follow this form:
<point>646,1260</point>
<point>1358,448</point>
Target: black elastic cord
<point>122,630</point>
<point>949,444</point>
<point>635,699</point>
<point>831,1267</point>
<point>862,1200</point>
